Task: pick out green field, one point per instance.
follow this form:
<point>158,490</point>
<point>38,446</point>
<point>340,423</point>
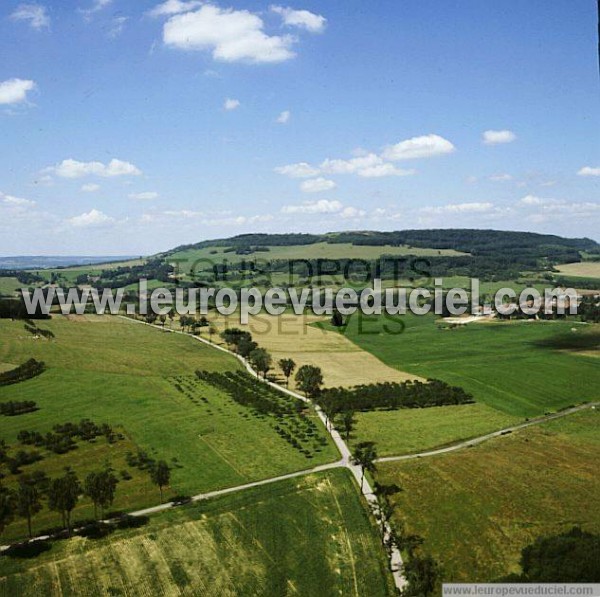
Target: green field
<point>478,507</point>
<point>411,430</point>
<point>123,373</point>
<point>504,365</point>
<point>308,536</point>
<point>9,286</point>
<point>188,257</point>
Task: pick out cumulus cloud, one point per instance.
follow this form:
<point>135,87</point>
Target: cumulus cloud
<point>381,170</point>
<point>300,170</point>
<point>231,104</point>
<point>317,185</point>
<point>284,117</point>
<point>14,91</point>
<point>303,19</point>
<point>35,14</point>
<point>460,208</point>
<point>91,219</point>
<point>12,201</point>
<point>230,35</point>
<point>146,196</point>
<point>498,137</point>
<point>74,169</point>
<point>352,166</point>
<point>500,177</point>
<point>589,171</point>
<point>173,7</point>
<point>352,213</point>
<point>425,146</point>
<point>90,188</point>
<point>323,206</point>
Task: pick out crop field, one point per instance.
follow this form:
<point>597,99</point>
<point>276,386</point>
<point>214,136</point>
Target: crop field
<point>293,336</point>
<point>510,366</point>
<point>307,536</point>
<point>478,507</point>
<point>584,269</point>
<point>119,372</point>
<point>410,430</point>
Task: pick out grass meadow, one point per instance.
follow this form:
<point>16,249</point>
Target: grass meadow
<point>411,430</point>
<point>120,372</point>
<point>478,507</point>
<point>510,366</point>
<point>307,536</point>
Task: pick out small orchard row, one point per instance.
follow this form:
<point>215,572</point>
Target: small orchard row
<point>62,438</point>
<point>33,329</point>
<point>14,408</point>
<point>27,370</point>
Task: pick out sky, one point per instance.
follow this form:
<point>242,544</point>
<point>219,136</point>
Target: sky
<point>133,126</point>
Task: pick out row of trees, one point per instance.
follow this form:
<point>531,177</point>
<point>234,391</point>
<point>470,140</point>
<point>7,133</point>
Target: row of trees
<point>27,370</point>
<point>62,494</point>
<point>392,396</point>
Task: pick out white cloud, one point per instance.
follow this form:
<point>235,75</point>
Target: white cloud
<point>381,170</point>
<point>303,19</point>
<point>13,201</point>
<point>589,171</point>
<point>36,14</point>
<point>460,208</point>
<point>300,170</point>
<point>14,91</point>
<point>498,137</point>
<point>96,6</point>
<point>426,146</point>
<point>93,218</point>
<point>351,166</point>
<point>352,213</point>
<point>231,36</point>
<point>90,188</point>
<point>231,104</point>
<point>284,117</point>
<point>117,26</point>
<point>173,7</point>
<point>74,169</point>
<point>146,196</point>
<point>322,206</point>
<point>533,200</point>
<point>317,185</point>
<point>501,177</point>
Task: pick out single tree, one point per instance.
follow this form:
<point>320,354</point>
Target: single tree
<point>63,495</point>
<point>100,487</point>
<point>28,499</point>
<point>365,455</point>
<point>7,507</point>
<point>337,319</point>
<point>245,347</point>
<point>212,330</point>
<point>162,319</point>
<point>287,366</point>
<point>261,361</point>
<point>160,475</point>
<point>309,380</point>
<point>348,423</point>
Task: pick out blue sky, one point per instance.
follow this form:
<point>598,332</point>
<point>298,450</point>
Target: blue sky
<point>133,126</point>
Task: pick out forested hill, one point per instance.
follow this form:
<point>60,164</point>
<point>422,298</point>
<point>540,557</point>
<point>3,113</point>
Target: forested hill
<point>475,242</point>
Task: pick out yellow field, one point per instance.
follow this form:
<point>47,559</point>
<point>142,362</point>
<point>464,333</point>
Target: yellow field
<point>585,269</point>
<point>291,336</point>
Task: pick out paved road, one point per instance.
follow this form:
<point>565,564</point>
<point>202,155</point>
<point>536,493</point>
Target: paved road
<point>482,438</point>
